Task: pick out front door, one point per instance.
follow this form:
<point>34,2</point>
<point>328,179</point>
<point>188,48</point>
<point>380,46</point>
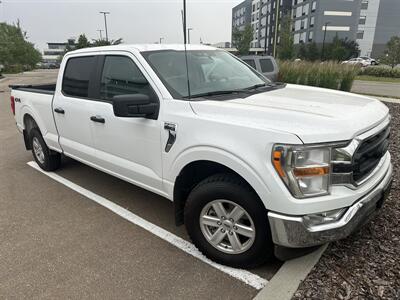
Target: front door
<point>128,147</point>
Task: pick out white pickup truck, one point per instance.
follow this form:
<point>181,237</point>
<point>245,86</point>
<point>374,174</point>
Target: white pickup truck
<point>251,166</point>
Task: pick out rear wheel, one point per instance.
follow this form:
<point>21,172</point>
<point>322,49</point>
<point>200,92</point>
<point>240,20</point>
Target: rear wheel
<point>47,159</point>
<point>228,223</point>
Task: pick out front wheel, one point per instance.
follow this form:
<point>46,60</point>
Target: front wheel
<point>227,222</point>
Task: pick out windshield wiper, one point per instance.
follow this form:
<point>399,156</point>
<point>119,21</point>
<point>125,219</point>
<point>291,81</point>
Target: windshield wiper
<point>227,92</point>
<point>217,93</point>
<point>253,87</point>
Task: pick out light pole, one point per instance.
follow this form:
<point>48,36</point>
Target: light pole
<point>161,39</point>
<point>101,34</point>
<point>1,11</point>
<point>105,13</point>
<point>276,27</point>
<point>188,30</point>
<point>323,43</point>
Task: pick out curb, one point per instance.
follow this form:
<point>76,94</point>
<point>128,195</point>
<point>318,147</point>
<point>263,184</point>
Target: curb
<point>287,280</point>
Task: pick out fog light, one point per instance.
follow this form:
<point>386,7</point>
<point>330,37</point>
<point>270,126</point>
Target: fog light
<point>324,217</point>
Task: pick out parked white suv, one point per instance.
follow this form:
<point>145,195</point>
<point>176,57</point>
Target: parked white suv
<point>248,164</point>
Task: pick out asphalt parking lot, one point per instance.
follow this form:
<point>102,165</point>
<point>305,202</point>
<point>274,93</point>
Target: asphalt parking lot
<point>56,242</point>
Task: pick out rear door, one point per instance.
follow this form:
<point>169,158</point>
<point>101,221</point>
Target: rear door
<point>130,148</point>
<point>72,107</point>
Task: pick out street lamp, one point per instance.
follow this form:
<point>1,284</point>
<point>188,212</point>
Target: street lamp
<point>1,11</point>
<point>105,13</point>
<point>323,43</point>
<point>188,30</point>
<point>101,35</point>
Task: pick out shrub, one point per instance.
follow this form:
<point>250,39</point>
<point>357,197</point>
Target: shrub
<point>329,75</point>
<point>381,71</point>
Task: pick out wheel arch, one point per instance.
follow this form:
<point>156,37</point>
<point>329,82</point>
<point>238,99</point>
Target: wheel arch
<point>29,123</point>
<point>189,172</point>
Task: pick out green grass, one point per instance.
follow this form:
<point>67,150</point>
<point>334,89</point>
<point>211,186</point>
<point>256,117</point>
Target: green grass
<point>378,79</point>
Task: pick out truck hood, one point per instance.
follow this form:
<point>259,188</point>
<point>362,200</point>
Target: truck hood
<point>315,115</point>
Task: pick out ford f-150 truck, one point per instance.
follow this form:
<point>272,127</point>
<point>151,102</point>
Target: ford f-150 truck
<point>251,166</point>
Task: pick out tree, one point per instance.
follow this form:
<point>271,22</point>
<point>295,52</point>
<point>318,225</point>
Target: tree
<point>242,39</point>
<point>336,51</point>
<point>16,53</point>
<point>83,42</point>
<point>352,48</point>
<point>286,49</point>
<point>341,49</point>
<point>392,53</point>
<point>313,53</point>
<point>302,53</point>
<point>101,42</point>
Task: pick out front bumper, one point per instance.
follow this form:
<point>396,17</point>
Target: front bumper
<point>293,231</point>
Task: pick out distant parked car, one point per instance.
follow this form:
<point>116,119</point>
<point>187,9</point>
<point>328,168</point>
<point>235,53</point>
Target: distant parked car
<point>266,65</point>
<point>370,60</point>
<point>357,61</point>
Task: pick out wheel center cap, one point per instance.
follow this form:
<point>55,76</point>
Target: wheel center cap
<point>227,224</point>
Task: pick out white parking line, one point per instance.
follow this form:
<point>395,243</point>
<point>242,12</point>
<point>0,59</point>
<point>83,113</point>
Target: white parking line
<point>245,276</point>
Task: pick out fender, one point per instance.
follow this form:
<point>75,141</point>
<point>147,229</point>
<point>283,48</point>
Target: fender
<point>222,157</point>
<point>27,110</point>
<point>51,142</point>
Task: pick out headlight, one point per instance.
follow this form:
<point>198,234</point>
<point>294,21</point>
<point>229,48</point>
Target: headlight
<point>305,170</point>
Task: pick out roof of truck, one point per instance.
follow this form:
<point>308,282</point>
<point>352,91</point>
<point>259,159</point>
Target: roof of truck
<point>143,48</point>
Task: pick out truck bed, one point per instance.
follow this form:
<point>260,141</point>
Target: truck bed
<point>37,102</point>
<point>48,89</point>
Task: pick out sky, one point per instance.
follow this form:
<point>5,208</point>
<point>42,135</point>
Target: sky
<point>136,21</point>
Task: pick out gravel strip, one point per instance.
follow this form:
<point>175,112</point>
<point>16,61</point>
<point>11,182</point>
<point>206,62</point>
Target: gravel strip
<point>367,264</point>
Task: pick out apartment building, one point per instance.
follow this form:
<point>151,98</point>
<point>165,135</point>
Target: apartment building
<point>316,20</point>
<point>369,22</point>
<point>379,21</point>
<point>264,17</point>
<point>241,15</point>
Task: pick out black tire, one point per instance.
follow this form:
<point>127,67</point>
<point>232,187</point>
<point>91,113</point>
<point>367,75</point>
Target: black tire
<point>229,187</point>
<point>51,160</point>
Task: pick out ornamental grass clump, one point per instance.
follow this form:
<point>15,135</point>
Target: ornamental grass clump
<point>331,75</point>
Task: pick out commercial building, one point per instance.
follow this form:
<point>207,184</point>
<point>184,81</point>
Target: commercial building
<point>369,22</point>
<point>55,50</point>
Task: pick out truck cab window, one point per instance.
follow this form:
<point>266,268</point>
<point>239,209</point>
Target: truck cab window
<point>266,65</point>
<point>121,76</point>
<point>251,62</point>
<point>77,76</point>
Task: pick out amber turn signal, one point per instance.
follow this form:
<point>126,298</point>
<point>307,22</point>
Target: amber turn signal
<point>277,163</point>
<point>311,171</point>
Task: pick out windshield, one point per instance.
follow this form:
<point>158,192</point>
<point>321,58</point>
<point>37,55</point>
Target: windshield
<point>210,72</point>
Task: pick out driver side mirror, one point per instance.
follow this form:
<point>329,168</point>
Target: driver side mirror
<point>135,106</point>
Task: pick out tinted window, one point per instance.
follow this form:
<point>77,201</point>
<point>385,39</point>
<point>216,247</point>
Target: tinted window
<point>121,76</point>
<point>250,62</point>
<point>266,65</point>
<point>77,76</point>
